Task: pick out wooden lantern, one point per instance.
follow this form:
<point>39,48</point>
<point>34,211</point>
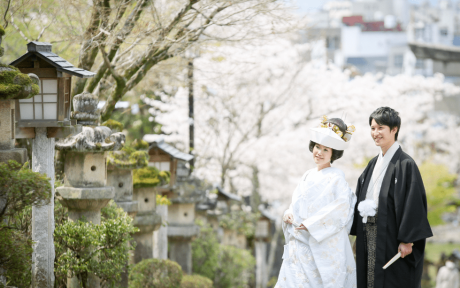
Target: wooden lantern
<point>51,107</point>
<point>167,158</point>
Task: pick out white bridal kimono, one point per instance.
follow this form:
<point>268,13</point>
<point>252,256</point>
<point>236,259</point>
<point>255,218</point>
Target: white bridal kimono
<point>321,256</point>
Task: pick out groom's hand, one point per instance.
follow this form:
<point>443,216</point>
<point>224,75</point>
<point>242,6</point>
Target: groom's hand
<point>405,249</point>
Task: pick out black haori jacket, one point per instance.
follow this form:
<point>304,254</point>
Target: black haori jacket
<point>402,217</point>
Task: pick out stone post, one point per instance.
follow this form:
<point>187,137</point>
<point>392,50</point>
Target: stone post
<point>85,191</point>
<point>7,133</point>
<point>147,220</point>
<point>160,237</point>
<point>120,176</point>
<point>181,227</point>
<point>261,263</point>
<point>43,216</point>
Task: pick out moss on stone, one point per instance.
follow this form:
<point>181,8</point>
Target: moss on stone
<point>2,31</point>
<point>114,125</point>
<point>140,144</point>
<point>15,85</point>
<point>149,177</point>
<point>128,158</point>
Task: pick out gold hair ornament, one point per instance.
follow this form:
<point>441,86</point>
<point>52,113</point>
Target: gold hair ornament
<point>348,133</point>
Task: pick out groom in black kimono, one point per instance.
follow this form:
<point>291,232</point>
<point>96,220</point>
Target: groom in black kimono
<point>398,222</point>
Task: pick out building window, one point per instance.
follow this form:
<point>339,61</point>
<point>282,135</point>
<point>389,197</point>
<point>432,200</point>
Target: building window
<point>42,106</point>
<point>398,61</point>
<point>443,32</point>
<point>332,42</point>
<point>162,166</point>
<point>419,64</point>
<point>419,34</point>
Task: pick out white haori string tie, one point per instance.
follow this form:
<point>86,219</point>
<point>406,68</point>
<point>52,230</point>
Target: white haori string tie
<point>367,208</point>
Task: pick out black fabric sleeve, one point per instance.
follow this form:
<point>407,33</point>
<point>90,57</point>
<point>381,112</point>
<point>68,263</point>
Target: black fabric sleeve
<point>414,226</point>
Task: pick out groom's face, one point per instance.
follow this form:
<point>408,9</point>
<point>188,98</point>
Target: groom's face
<point>382,135</point>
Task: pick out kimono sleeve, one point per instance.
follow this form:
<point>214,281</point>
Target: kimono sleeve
<point>334,216</point>
<point>296,194</point>
<point>414,223</point>
<point>356,213</point>
<point>414,226</point>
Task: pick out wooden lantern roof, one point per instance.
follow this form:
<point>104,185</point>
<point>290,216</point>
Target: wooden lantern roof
<point>224,195</point>
<point>42,51</point>
<point>168,149</point>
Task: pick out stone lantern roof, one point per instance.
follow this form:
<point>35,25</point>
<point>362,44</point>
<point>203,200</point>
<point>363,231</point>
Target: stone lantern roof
<point>92,138</point>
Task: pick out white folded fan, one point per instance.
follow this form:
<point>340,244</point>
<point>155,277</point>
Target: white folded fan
<point>396,257</point>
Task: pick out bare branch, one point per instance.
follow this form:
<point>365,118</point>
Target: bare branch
<point>17,28</point>
<point>4,16</point>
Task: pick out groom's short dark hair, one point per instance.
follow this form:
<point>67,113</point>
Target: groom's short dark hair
<point>386,116</point>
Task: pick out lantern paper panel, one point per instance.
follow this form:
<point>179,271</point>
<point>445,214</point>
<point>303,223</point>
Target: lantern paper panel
<point>42,106</point>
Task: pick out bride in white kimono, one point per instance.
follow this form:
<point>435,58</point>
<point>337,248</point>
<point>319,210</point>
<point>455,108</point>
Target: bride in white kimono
<point>317,252</point>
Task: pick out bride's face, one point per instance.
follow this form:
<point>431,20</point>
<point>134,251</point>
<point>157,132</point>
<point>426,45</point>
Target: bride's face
<point>322,154</point>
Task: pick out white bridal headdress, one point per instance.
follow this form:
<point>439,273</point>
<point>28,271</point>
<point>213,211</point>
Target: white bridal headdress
<point>330,135</point>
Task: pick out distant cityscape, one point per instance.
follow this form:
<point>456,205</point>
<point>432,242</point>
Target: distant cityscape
<point>388,36</point>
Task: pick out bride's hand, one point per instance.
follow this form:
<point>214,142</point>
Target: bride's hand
<point>301,227</point>
<point>288,218</point>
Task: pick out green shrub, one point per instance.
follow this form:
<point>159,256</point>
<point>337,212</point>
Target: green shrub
<point>195,281</point>
<point>272,282</point>
<point>236,266</point>
<point>227,266</point>
<point>20,188</point>
<point>440,191</point>
<point>84,248</point>
<point>205,253</point>
<point>155,273</point>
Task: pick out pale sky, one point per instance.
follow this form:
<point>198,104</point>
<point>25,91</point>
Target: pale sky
<point>306,6</point>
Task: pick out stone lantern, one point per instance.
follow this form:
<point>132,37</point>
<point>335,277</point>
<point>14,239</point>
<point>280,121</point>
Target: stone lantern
<point>145,181</point>
<point>120,166</point>
<point>85,191</point>
<point>183,193</point>
<point>120,176</point>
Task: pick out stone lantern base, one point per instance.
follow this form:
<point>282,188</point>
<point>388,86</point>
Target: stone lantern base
<point>147,222</point>
<point>85,202</point>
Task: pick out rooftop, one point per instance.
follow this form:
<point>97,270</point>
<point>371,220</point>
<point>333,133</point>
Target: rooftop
<point>43,51</point>
<point>159,142</point>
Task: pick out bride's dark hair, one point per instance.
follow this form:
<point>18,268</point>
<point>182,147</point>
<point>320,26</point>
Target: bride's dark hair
<point>336,154</point>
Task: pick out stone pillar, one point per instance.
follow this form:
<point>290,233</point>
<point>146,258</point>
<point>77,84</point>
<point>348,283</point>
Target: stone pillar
<point>160,237</point>
<point>261,263</point>
<point>43,217</point>
<point>147,220</point>
<point>181,252</point>
<point>7,134</point>
<point>122,181</point>
<point>181,230</point>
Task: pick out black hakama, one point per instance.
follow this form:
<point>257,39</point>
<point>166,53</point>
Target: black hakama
<point>402,218</point>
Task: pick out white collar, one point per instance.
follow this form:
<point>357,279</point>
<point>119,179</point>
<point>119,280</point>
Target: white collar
<point>390,152</point>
